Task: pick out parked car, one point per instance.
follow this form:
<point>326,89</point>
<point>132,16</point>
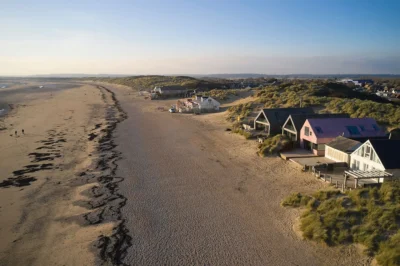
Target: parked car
<point>172,110</point>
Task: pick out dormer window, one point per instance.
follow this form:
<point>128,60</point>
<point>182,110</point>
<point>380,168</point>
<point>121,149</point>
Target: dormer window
<point>353,130</point>
<point>318,129</point>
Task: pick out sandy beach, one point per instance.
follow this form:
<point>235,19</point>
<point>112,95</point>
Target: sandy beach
<point>102,177</point>
<point>198,195</point>
<point>44,205</point>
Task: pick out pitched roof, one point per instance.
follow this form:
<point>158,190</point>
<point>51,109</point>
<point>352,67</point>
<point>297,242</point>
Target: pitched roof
<point>278,116</point>
<point>299,119</point>
<point>388,152</point>
<point>344,144</point>
<point>346,127</point>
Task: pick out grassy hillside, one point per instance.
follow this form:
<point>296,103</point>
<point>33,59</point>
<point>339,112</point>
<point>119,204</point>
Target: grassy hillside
<point>326,97</point>
<point>149,82</point>
<point>367,216</point>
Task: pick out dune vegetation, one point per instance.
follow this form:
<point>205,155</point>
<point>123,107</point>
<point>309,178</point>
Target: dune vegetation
<point>325,97</point>
<point>275,144</point>
<point>148,82</point>
<point>369,216</point>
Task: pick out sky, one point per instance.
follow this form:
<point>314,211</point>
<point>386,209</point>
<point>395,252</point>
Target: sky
<point>199,37</point>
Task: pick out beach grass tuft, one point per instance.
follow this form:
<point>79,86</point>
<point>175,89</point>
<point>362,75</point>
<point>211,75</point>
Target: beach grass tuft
<point>369,216</point>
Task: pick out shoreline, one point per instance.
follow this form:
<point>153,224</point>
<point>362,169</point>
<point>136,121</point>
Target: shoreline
<point>111,249</point>
<point>72,219</point>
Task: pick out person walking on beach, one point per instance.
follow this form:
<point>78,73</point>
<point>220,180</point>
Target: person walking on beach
<point>16,132</point>
<point>23,131</point>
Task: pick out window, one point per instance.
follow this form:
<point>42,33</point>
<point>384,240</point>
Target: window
<point>356,165</point>
<point>353,130</point>
<point>372,156</point>
<point>367,151</point>
<point>307,131</point>
<point>362,128</point>
<point>318,129</point>
<point>376,127</point>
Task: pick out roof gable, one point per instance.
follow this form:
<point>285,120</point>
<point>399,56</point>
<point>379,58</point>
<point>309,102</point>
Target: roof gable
<point>278,116</point>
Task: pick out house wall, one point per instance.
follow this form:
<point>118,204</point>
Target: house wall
<point>261,124</point>
<point>311,137</point>
<point>209,105</point>
<point>360,162</point>
<point>336,155</point>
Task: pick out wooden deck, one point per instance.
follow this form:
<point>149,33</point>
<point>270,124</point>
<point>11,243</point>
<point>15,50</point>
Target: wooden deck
<point>298,153</point>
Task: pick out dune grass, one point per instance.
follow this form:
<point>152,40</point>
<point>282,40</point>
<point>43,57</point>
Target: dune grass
<point>273,145</point>
<point>368,216</point>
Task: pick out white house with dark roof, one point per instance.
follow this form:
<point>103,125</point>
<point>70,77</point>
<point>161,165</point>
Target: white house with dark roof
<point>381,155</point>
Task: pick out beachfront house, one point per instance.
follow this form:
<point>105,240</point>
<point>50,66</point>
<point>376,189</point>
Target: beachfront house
<point>207,104</point>
<point>316,132</point>
<point>200,104</point>
<point>170,91</point>
<point>270,121</point>
<point>340,148</point>
<point>295,122</point>
<point>377,156</point>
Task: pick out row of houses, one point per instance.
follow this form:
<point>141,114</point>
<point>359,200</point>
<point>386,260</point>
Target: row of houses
<point>312,131</point>
<point>359,143</point>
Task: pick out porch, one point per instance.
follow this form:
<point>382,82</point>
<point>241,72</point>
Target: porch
<point>297,153</point>
<point>369,177</point>
<point>262,126</point>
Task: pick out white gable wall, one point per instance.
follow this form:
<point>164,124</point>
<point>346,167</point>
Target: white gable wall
<point>209,104</point>
<point>366,159</point>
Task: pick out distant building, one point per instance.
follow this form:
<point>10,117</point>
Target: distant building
<point>207,104</point>
<point>169,91</point>
<point>357,82</point>
<point>200,104</point>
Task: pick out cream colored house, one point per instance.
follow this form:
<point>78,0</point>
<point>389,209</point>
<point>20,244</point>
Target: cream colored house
<point>340,148</point>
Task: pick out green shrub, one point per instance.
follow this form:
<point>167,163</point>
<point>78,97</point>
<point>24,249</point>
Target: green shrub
<point>242,132</point>
<point>275,144</point>
<point>296,200</point>
<point>369,216</point>
<point>240,111</point>
<point>389,251</point>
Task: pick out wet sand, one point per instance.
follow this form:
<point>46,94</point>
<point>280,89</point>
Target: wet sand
<point>49,210</point>
<point>197,195</point>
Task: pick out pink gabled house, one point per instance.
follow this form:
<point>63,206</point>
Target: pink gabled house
<point>316,132</point>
